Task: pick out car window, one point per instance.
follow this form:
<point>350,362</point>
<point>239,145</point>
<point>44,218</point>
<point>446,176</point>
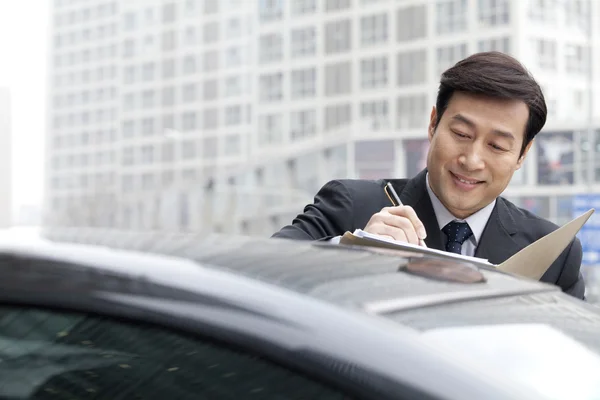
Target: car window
<point>57,355</point>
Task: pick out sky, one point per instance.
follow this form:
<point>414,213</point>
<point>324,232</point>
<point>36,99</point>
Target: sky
<point>24,28</point>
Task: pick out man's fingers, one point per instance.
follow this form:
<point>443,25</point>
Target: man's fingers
<point>404,224</point>
<point>409,212</point>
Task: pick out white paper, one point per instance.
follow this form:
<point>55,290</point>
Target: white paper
<point>409,246</point>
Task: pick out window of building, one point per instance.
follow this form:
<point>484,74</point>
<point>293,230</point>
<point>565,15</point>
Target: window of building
<point>375,113</point>
<point>556,158</point>
<point>338,36</point>
<point>210,118</point>
<point>188,121</point>
<point>169,11</point>
<point>128,49</point>
<point>451,16</point>
<point>148,72</point>
<point>374,29</point>
<point>271,48</point>
<point>127,156</point>
<point>271,87</point>
<point>270,10</point>
<point>188,93</point>
<point>338,115</point>
<point>303,42</point>
<point>129,21</point>
<point>211,7</point>
<point>494,12</point>
<point>210,60</point>
<point>189,65</point>
<point>578,14</point>
<point>210,147</point>
<point>148,99</point>
<point>167,152</point>
<point>168,96</point>
<point>169,41</point>
<point>449,55</point>
<point>577,59</point>
<point>232,145</point>
<point>233,86</point>
<point>128,102</point>
<point>415,156</point>
<point>211,32</point>
<point>338,78</point>
<point>210,91</point>
<point>128,129</point>
<point>188,149</point>
<point>270,129</point>
<point>544,11</point>
<point>147,154</point>
<point>374,72</point>
<point>374,159</point>
<point>337,5</point>
<point>148,127</point>
<point>302,7</point>
<point>411,23</point>
<point>496,44</point>
<point>168,68</point>
<point>412,67</point>
<point>545,51</point>
<point>303,124</point>
<point>190,36</point>
<point>233,115</point>
<point>233,57</point>
<point>304,83</point>
<point>234,28</point>
<point>411,111</point>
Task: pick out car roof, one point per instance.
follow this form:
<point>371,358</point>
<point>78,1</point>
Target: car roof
<point>368,282</point>
<point>279,317</point>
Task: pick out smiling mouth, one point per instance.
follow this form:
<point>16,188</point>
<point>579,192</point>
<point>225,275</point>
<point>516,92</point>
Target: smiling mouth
<point>465,180</point>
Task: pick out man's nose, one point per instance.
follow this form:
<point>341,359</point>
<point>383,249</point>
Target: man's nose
<point>471,159</point>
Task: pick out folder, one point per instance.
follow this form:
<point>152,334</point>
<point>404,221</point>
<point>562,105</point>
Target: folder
<point>531,262</point>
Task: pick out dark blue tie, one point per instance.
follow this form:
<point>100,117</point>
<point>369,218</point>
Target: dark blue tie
<point>457,233</point>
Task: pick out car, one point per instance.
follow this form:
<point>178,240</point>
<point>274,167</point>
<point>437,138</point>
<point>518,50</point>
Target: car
<point>104,314</point>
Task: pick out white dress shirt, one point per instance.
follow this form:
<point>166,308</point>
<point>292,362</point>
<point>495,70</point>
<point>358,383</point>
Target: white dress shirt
<point>477,221</point>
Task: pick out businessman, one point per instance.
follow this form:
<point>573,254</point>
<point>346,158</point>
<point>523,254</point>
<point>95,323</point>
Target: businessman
<point>487,113</point>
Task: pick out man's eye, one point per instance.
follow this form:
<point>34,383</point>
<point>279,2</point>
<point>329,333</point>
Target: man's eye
<point>462,135</point>
<point>496,147</point>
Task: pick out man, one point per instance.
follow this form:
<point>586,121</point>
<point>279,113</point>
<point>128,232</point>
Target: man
<point>488,111</point>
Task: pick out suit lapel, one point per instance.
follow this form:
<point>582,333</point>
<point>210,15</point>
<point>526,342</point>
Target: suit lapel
<point>496,243</point>
<point>415,194</point>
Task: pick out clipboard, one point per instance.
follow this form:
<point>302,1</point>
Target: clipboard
<point>531,262</point>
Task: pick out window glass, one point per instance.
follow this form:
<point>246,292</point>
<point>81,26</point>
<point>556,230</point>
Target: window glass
<point>56,355</point>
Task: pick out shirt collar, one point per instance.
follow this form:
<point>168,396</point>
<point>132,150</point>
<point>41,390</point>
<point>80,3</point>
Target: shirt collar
<point>477,221</point>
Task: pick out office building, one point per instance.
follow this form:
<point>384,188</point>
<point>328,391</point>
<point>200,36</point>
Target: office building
<point>5,160</point>
<point>229,115</point>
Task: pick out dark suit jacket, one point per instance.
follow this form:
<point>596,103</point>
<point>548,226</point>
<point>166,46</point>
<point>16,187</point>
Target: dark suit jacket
<point>346,205</point>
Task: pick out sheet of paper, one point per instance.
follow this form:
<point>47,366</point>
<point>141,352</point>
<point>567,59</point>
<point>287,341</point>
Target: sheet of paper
<point>534,260</point>
<point>360,237</point>
<point>531,262</point>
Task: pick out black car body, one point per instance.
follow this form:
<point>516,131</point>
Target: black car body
<point>113,315</point>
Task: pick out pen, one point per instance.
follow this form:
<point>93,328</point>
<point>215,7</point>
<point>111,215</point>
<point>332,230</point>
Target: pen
<point>395,200</point>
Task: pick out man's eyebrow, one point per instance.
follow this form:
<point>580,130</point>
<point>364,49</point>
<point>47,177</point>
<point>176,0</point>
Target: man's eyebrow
<point>471,124</point>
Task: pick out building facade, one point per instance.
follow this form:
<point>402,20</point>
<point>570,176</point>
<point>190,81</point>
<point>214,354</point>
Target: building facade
<point>5,160</point>
<point>228,115</point>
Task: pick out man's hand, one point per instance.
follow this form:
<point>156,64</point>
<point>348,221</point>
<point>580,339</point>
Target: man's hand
<point>399,223</point>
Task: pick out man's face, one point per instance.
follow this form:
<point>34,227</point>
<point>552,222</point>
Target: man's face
<point>475,150</point>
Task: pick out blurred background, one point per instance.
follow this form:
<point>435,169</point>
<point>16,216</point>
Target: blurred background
<point>229,115</point>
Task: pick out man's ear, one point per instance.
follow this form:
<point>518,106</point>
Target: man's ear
<point>522,157</point>
<point>432,123</point>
